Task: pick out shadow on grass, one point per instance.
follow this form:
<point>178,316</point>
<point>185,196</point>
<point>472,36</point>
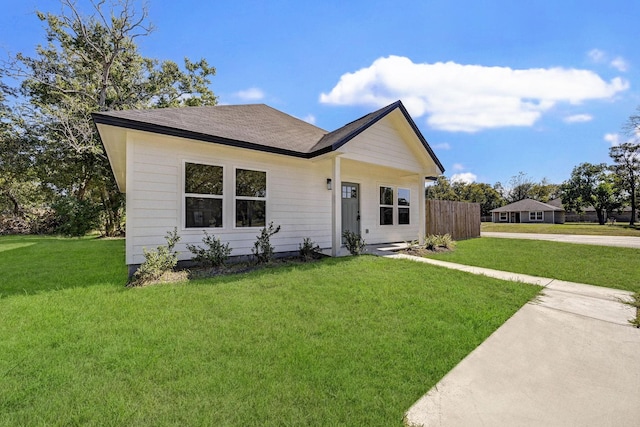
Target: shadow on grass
<point>33,264</point>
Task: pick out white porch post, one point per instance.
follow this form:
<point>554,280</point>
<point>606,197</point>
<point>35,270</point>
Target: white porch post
<point>422,209</point>
<point>336,208</point>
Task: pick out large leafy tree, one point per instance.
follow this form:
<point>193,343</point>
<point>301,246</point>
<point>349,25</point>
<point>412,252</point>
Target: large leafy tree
<point>19,190</point>
<point>591,185</point>
<point>626,165</point>
<point>544,191</point>
<point>520,187</point>
<point>92,63</point>
<point>484,194</point>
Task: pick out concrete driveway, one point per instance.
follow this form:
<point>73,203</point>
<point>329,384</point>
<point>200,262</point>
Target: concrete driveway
<point>623,241</point>
<point>568,359</point>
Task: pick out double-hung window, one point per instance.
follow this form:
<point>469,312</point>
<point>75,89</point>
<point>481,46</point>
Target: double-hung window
<point>535,216</point>
<point>203,195</point>
<point>504,217</point>
<point>251,198</point>
<point>386,206</point>
<point>404,201</point>
<point>389,203</point>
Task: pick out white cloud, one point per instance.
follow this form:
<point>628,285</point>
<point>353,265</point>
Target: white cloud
<point>620,64</point>
<point>600,57</point>
<point>441,146</point>
<point>596,55</point>
<point>310,118</point>
<point>251,94</point>
<point>469,98</point>
<point>612,138</point>
<point>466,177</point>
<point>578,118</point>
<point>458,167</point>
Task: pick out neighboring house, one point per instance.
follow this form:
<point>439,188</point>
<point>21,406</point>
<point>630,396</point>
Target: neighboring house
<point>232,169</point>
<point>589,213</point>
<point>529,210</point>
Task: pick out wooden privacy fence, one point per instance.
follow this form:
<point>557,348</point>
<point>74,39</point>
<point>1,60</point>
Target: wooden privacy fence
<point>461,220</point>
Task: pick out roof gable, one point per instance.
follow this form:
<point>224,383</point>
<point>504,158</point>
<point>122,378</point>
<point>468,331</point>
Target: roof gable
<point>254,126</point>
<point>336,139</point>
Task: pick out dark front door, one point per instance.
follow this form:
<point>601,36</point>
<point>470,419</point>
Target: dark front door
<point>350,208</point>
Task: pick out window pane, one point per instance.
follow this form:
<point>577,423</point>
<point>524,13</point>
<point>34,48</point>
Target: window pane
<point>386,196</point>
<point>386,216</point>
<point>203,212</point>
<point>251,183</point>
<point>203,179</point>
<point>403,215</point>
<point>250,213</point>
<point>404,197</point>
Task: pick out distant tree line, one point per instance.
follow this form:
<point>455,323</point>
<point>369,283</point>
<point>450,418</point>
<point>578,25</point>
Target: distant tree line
<point>608,188</point>
<point>490,197</point>
<point>54,174</point>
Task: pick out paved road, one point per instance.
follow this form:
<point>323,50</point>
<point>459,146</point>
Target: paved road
<point>568,358</point>
<point>624,241</point>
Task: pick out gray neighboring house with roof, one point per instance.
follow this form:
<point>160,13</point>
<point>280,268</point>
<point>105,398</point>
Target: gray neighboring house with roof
<point>528,210</point>
<point>230,170</point>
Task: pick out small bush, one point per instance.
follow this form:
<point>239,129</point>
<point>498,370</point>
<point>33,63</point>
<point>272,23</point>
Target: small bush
<point>354,242</point>
<point>76,217</point>
<point>431,242</point>
<point>308,250</point>
<point>262,249</point>
<point>434,242</point>
<point>446,241</point>
<point>214,255</point>
<point>158,261</point>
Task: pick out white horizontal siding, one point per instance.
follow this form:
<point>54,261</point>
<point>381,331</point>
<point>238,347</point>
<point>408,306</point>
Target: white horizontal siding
<point>382,144</point>
<point>297,198</point>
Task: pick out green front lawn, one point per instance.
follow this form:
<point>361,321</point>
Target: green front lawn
<point>588,228</point>
<point>596,265</point>
<point>350,341</point>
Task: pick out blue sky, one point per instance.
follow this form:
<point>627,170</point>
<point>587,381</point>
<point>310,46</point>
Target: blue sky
<point>496,87</point>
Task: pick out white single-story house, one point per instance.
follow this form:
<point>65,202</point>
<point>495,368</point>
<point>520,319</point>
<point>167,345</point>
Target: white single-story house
<point>232,169</point>
<point>528,210</point>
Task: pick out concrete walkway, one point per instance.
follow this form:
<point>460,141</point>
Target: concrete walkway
<point>569,358</point>
<point>623,241</point>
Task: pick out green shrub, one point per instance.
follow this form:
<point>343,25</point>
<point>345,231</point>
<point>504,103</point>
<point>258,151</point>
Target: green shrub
<point>76,217</point>
<point>446,241</point>
<point>262,249</point>
<point>354,242</point>
<point>308,249</point>
<point>433,242</point>
<point>214,255</point>
<point>158,261</point>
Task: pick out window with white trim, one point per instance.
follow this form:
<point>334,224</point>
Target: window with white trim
<point>535,216</point>
<point>251,198</point>
<point>504,216</point>
<point>203,195</point>
<point>386,206</point>
<point>404,201</point>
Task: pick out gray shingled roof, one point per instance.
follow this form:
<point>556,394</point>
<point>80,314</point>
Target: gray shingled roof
<point>254,126</point>
<point>527,205</point>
